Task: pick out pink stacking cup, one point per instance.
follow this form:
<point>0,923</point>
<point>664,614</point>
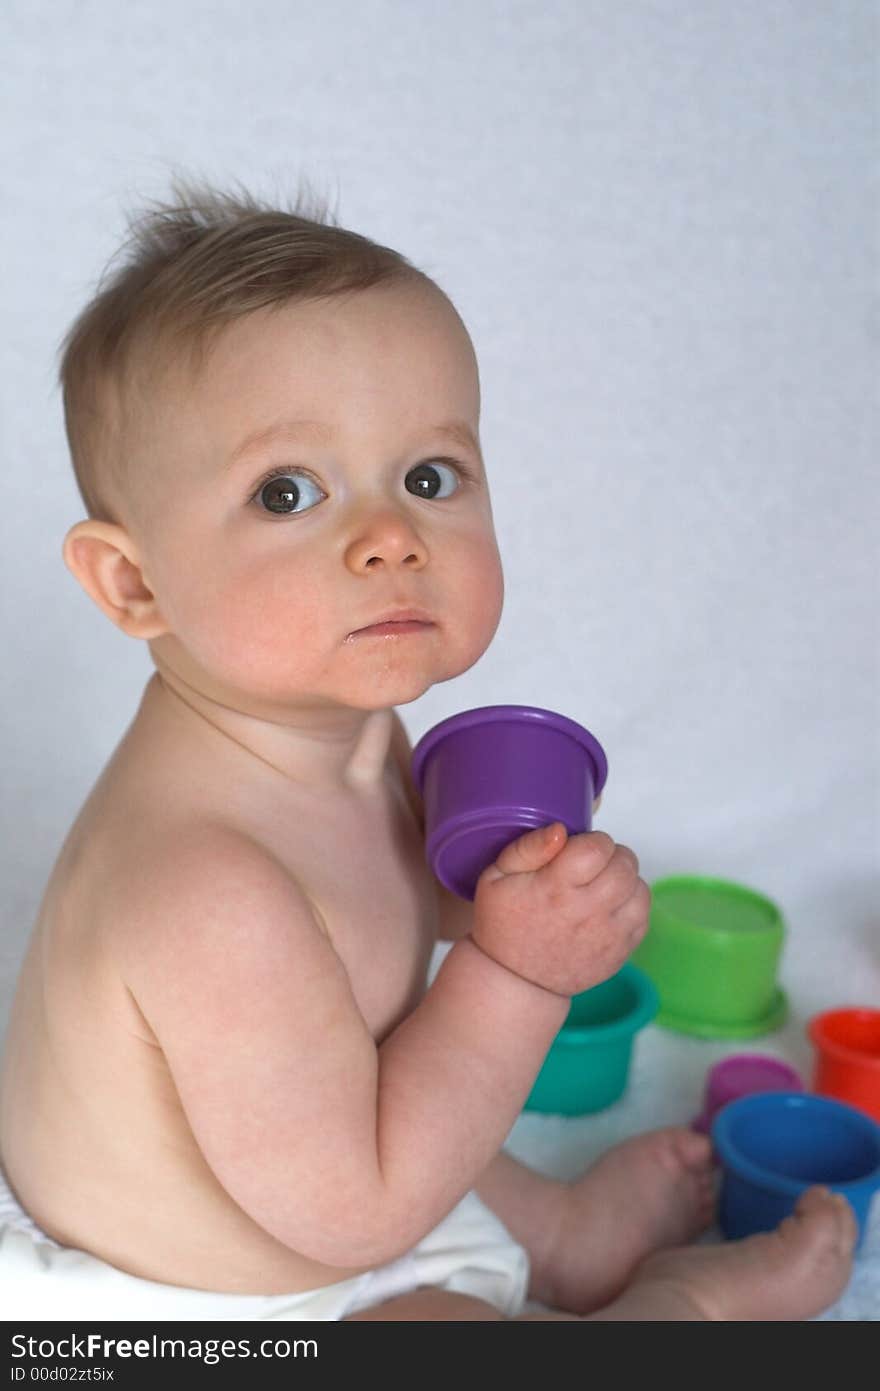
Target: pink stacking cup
<point>742,1074</point>
<point>487,776</point>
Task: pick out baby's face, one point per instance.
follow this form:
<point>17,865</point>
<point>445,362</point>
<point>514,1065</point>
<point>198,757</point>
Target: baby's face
<point>265,556</point>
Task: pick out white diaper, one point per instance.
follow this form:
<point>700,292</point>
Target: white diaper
<point>470,1252</point>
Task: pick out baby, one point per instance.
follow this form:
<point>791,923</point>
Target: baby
<point>227,1090</point>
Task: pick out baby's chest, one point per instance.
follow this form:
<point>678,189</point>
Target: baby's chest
<point>364,870</point>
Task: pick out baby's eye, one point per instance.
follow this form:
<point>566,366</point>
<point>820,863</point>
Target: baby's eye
<point>422,480</point>
<point>279,493</point>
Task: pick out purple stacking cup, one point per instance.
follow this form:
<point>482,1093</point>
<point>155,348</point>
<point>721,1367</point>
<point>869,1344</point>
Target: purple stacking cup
<point>488,776</point>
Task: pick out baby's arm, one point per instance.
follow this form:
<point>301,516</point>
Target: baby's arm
<point>344,1152</point>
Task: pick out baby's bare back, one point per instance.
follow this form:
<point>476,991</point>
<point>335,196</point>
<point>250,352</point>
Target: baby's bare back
<point>93,1136</point>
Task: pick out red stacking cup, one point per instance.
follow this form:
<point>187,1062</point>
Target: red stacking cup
<point>847,1043</point>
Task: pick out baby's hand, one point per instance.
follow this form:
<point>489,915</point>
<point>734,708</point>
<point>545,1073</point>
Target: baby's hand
<point>565,912</point>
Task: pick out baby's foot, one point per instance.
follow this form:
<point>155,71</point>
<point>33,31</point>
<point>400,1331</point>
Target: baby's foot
<point>648,1193</point>
<point>794,1272</point>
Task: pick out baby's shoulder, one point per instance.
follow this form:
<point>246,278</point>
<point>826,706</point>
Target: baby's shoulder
<point>206,936</point>
<point>202,868</point>
<point>134,857</point>
<point>195,859</point>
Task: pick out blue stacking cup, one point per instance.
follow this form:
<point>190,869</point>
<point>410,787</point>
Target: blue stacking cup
<point>772,1146</point>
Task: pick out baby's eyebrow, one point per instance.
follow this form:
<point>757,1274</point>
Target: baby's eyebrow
<point>458,431</point>
<point>315,429</point>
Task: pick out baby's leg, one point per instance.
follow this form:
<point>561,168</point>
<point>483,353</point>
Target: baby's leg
<point>645,1194</point>
<point>792,1273</point>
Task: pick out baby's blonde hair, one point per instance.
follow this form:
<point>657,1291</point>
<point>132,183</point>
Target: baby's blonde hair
<point>194,263</point>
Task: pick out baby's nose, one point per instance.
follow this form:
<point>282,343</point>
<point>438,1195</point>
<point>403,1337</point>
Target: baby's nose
<point>385,537</point>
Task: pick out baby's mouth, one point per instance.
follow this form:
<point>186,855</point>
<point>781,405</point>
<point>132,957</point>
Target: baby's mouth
<point>395,622</point>
<point>395,628</point>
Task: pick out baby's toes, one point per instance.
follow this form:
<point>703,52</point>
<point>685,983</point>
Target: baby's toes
<point>841,1228</point>
<point>819,1238</point>
<point>708,1197</point>
<point>692,1150</point>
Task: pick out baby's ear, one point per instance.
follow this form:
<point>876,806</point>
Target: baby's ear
<point>104,559</point>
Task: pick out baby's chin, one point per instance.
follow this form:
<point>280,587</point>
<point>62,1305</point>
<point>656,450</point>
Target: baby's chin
<point>274,698</point>
<point>376,675</point>
<point>394,689</point>
<point>385,689</point>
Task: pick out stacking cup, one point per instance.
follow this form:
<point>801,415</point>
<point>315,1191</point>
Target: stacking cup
<point>487,776</point>
<point>587,1066</point>
<point>712,950</point>
<point>774,1146</point>
<point>742,1074</point>
<point>847,1044</point>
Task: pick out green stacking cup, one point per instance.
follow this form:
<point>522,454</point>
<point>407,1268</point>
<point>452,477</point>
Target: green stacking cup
<point>712,950</point>
<point>587,1066</point>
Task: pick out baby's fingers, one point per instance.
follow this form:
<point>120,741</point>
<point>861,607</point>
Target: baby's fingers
<point>634,914</point>
<point>593,857</point>
<point>532,851</point>
<point>600,885</point>
<point>617,882</point>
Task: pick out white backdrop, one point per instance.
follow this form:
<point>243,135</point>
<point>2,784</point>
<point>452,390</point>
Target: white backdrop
<point>656,219</point>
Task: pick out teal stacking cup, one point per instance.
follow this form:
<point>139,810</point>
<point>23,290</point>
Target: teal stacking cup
<point>587,1066</point>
